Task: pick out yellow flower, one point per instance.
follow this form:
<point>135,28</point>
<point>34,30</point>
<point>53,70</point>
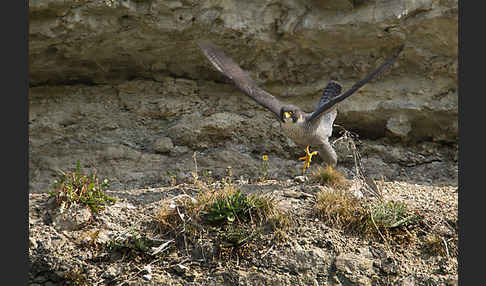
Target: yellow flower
<point>265,157</point>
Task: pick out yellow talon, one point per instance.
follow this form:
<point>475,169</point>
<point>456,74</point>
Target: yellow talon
<point>307,158</point>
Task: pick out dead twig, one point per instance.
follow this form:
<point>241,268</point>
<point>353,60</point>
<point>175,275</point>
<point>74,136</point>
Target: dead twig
<point>268,251</point>
<point>446,248</point>
<point>161,247</point>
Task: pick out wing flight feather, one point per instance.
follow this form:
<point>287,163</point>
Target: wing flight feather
<point>333,101</point>
<point>240,78</point>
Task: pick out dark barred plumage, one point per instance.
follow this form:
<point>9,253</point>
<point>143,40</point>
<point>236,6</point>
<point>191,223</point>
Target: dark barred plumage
<point>332,90</point>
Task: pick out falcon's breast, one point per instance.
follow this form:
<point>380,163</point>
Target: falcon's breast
<point>299,132</point>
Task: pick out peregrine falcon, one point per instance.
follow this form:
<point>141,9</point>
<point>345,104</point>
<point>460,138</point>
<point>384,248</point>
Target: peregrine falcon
<point>304,129</point>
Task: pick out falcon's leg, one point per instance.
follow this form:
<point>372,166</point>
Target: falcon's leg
<point>307,158</point>
<point>327,153</point>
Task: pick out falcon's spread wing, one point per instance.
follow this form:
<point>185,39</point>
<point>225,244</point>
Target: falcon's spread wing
<point>332,90</point>
<point>239,77</point>
<point>332,101</point>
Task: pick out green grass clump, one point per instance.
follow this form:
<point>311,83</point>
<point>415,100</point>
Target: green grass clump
<point>391,220</point>
<point>391,214</point>
<point>136,242</point>
<point>236,235</point>
<point>78,188</point>
<point>233,206</point>
<point>232,220</point>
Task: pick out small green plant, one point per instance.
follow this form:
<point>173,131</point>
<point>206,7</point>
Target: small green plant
<point>391,220</point>
<point>134,243</point>
<point>391,214</point>
<point>237,235</point>
<point>232,221</point>
<point>237,206</point>
<point>78,188</point>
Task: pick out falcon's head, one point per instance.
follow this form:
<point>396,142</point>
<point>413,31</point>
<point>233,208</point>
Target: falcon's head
<point>291,114</point>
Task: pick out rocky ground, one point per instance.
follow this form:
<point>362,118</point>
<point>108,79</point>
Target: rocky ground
<point>313,253</point>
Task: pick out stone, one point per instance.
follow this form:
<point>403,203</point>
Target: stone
<point>32,243</point>
<point>180,269</point>
<point>399,126</point>
<point>147,269</point>
<point>163,145</point>
<point>355,268</point>
<point>72,218</point>
<point>103,237</point>
<point>301,179</point>
<point>180,150</point>
<point>111,272</point>
<point>194,132</point>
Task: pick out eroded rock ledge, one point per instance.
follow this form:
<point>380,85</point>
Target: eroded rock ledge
<point>122,86</point>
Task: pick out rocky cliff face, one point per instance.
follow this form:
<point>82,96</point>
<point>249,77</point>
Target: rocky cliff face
<point>122,87</point>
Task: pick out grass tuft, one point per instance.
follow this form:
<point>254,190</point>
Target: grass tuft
<point>391,220</point>
<point>328,176</point>
<point>388,220</point>
<point>232,205</point>
<point>229,205</point>
<point>339,208</point>
<point>435,245</point>
<point>78,188</point>
<point>168,217</point>
<point>231,220</point>
<point>236,235</point>
<point>391,214</point>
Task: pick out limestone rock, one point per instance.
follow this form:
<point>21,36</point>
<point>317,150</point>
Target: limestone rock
<point>399,126</point>
<point>72,218</point>
<point>193,132</point>
<point>163,145</point>
<point>354,268</point>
